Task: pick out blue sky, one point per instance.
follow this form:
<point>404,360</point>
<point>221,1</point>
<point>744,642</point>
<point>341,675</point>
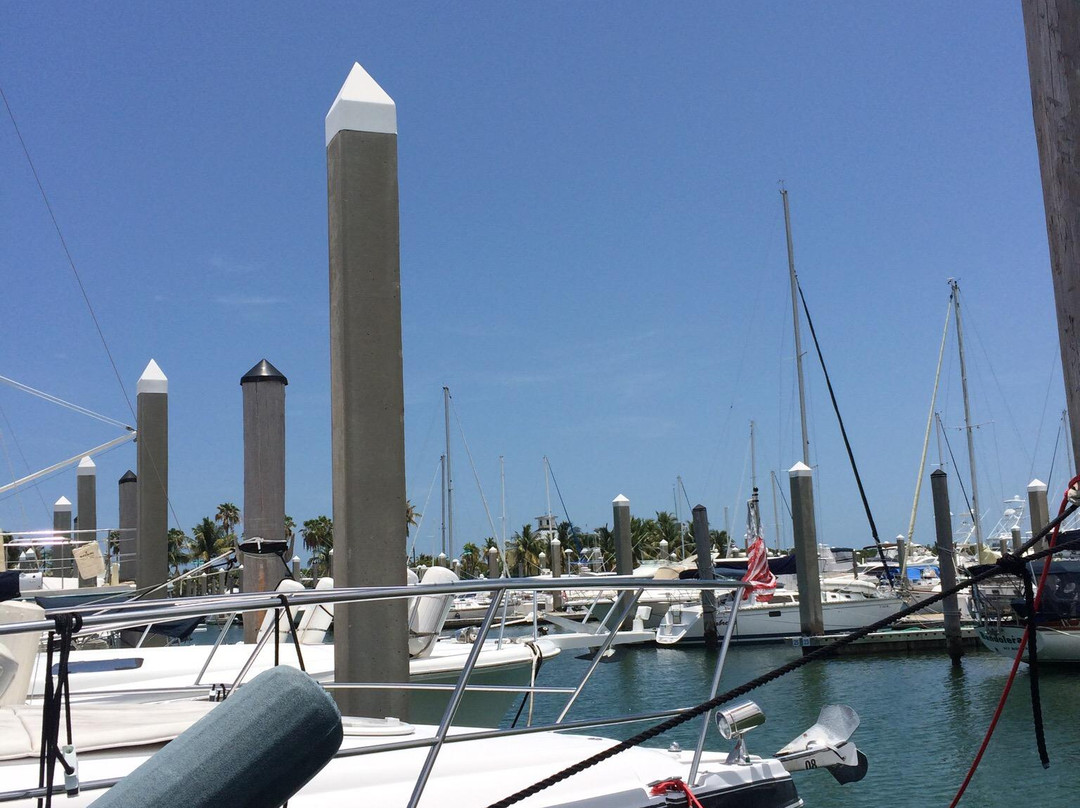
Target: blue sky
<point>592,246</point>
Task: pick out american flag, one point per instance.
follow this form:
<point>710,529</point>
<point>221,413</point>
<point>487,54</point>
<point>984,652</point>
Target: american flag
<point>758,572</point>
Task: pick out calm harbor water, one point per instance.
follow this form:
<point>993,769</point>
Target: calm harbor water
<point>922,720</point>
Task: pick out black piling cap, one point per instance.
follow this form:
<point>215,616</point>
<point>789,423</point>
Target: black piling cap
<point>264,372</point>
<point>129,477</point>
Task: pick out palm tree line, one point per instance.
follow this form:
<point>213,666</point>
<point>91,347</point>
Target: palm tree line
<point>527,551</point>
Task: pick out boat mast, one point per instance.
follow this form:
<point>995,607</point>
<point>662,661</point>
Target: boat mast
<point>795,318</point>
<point>547,497</point>
<point>502,489</point>
<point>449,478</point>
<point>967,420</point>
<point>753,460</point>
<point>775,512</point>
<point>442,503</point>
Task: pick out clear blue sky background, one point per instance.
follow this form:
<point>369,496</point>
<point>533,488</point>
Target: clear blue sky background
<point>592,245</point>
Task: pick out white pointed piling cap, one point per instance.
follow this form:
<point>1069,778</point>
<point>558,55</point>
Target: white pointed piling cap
<point>361,106</point>
<point>62,504</point>
<point>152,380</point>
<point>86,467</point>
<point>800,469</point>
<point>620,500</point>
<point>1036,485</point>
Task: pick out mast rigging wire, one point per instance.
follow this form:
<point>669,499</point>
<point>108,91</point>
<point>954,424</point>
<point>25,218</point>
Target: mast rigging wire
<point>847,443</point>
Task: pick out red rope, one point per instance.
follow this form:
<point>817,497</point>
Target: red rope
<point>1019,654</point>
<point>677,785</point>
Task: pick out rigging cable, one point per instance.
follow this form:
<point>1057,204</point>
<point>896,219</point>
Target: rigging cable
<point>573,533</point>
<point>476,476</point>
<point>847,443</point>
<point>959,479</point>
<point>82,289</point>
<point>67,252</point>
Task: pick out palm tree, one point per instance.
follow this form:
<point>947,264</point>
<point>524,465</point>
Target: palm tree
<point>472,559</point>
<point>604,539</point>
<point>318,535</point>
<point>644,538</point>
<point>208,540</point>
<point>412,516</point>
<point>229,516</point>
<point>528,546</point>
<point>178,549</point>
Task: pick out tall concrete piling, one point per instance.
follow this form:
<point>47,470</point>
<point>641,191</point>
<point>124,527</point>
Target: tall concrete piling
<point>128,493</point>
<point>493,562</point>
<point>1052,34</point>
<point>63,562</point>
<point>811,620</point>
<point>1038,511</point>
<point>939,486</point>
<point>264,483</point>
<point>86,497</point>
<point>703,548</point>
<point>152,473</point>
<point>367,392</point>
<point>624,550</point>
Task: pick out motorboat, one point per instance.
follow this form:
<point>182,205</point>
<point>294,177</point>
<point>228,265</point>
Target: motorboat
<point>146,673</point>
<point>386,761</point>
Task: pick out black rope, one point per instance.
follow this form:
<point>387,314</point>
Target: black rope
<point>1005,564</point>
<point>56,698</point>
<point>293,626</point>
<point>539,655</point>
<point>847,443</point>
<point>1033,668</point>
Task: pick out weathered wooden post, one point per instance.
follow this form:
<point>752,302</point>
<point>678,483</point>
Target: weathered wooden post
<point>811,620</point>
<point>1017,540</point>
<point>296,568</point>
<point>367,392</point>
<point>1052,32</point>
<point>61,523</point>
<point>152,473</point>
<point>1038,512</point>
<point>128,490</point>
<point>624,552</point>
<point>86,497</point>
<point>264,483</point>
<point>703,548</point>
<point>939,486</point>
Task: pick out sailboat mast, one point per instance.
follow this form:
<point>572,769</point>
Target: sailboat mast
<point>442,503</point>
<point>547,491</point>
<point>502,489</point>
<point>449,478</point>
<point>775,512</point>
<point>795,318</point>
<point>967,420</point>
<point>753,460</point>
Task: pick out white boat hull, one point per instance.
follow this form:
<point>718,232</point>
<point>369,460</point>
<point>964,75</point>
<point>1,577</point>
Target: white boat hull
<point>764,621</point>
<point>1055,644</point>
